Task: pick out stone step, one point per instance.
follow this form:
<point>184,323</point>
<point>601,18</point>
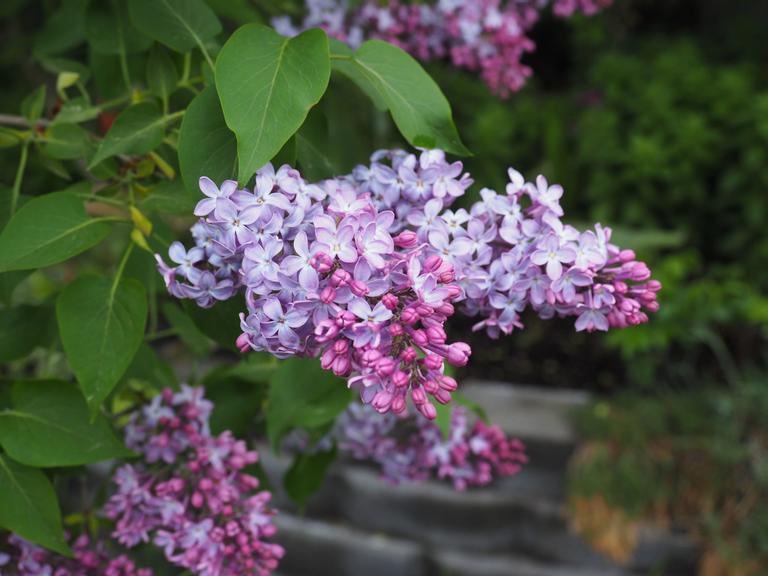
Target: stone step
<point>508,516</point>
<point>452,562</point>
<point>540,417</point>
<point>320,548</point>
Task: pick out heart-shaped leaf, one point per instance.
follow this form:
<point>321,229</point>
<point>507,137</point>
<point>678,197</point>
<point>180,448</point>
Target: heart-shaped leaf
<point>179,24</point>
<point>267,83</point>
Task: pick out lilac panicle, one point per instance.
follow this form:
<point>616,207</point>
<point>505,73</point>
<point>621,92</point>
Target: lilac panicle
<point>189,494</point>
<point>362,271</point>
<point>489,37</point>
<point>21,558</point>
<point>412,449</point>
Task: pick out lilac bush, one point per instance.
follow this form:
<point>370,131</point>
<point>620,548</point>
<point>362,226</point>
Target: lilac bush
<point>363,271</point>
<point>189,494</point>
<point>490,37</point>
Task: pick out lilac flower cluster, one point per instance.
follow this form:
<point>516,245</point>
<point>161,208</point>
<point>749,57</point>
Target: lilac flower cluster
<point>488,36</point>
<point>363,270</point>
<point>21,558</point>
<point>412,449</point>
<point>327,274</point>
<point>511,251</point>
<point>189,495</point>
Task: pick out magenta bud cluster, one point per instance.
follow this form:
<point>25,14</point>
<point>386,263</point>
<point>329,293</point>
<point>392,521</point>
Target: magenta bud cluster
<point>407,448</point>
<point>485,36</point>
<point>362,271</point>
<point>189,494</point>
<point>21,558</point>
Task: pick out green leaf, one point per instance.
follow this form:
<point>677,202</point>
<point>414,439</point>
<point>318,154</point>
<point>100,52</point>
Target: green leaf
<point>303,395</point>
<point>47,230</point>
<point>179,24</point>
<point>267,84</point>
<point>101,323</point>
<point>206,146</point>
<point>49,426</point>
<point>312,146</point>
<point>8,283</point>
<point>63,30</point>
<point>75,111</point>
<point>22,329</point>
<point>342,59</point>
<point>170,197</point>
<point>189,333</point>
<point>137,130</point>
<point>29,507</point>
<point>32,106</point>
<point>67,142</point>
<point>418,107</point>
<point>220,323</point>
<point>109,29</point>
<point>162,76</point>
<point>307,474</point>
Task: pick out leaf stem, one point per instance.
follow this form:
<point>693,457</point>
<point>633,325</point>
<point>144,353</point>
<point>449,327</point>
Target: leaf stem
<point>16,190</point>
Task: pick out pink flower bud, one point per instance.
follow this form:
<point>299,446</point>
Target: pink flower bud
<point>424,310</point>
<point>382,401</point>
<point>436,335</point>
<point>442,396</point>
<point>398,405</point>
<point>340,278</point>
<point>432,263</point>
<point>341,346</point>
<point>409,316</point>
<point>385,366</point>
<point>197,500</point>
<point>447,276</point>
<point>341,365</point>
<point>396,330</point>
<point>428,410</point>
<point>327,295</point>
<point>448,384</point>
<point>433,362</point>
<point>420,338</point>
<point>408,355</point>
<point>370,357</point>
<point>321,262</point>
<point>243,343</point>
<point>400,378</point>
<point>418,396</point>
<point>358,288</point>
<point>406,239</point>
<point>445,309</point>
<point>326,360</point>
<point>390,301</point>
<point>458,353</point>
<point>627,255</point>
<point>431,386</point>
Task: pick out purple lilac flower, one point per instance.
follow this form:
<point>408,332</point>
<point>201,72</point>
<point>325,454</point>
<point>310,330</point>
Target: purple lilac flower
<point>189,495</point>
<point>485,36</point>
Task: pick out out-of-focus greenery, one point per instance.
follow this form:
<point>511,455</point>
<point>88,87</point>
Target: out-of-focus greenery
<point>694,459</point>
